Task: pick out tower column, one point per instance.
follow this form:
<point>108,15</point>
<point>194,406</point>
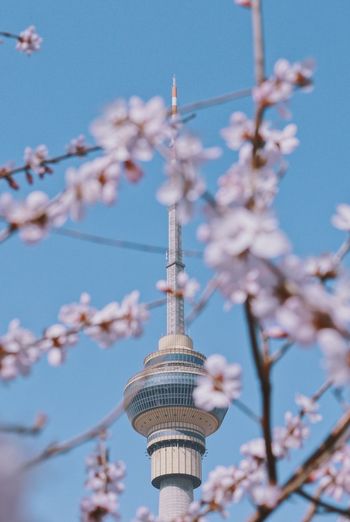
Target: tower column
<point>175,496</point>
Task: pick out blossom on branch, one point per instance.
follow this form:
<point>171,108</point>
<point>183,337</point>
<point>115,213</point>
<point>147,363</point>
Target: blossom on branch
<point>220,386</point>
<point>341,219</point>
<point>57,338</point>
<point>34,160</point>
<point>77,146</point>
<point>29,41</point>
<point>186,287</point>
<point>184,185</point>
<point>105,481</point>
<point>117,321</point>
<point>143,514</point>
<point>18,351</point>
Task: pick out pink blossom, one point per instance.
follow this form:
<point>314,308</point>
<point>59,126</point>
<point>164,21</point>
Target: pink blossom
<point>266,495</point>
<point>337,356</point>
<point>243,3</point>
<point>77,146</point>
<point>57,338</point>
<point>34,216</point>
<point>186,287</point>
<point>325,266</point>
<point>35,159</point>
<point>143,514</point>
<point>105,481</point>
<point>77,315</point>
<point>117,321</point>
<point>18,351</point>
<point>220,386</point>
<point>341,219</point>
<point>94,181</point>
<point>184,185</point>
<point>239,231</point>
<point>290,436</point>
<point>29,41</point>
<point>309,407</point>
<point>131,130</point>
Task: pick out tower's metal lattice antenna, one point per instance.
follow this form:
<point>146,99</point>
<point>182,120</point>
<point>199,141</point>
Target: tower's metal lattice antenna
<point>175,304</point>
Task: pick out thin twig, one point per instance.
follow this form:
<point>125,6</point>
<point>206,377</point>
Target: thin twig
<point>120,243</point>
<point>60,448</point>
<point>216,100</point>
<point>207,293</point>
<point>19,429</point>
<point>275,357</point>
<point>327,506</point>
<point>247,411</point>
<point>343,250</point>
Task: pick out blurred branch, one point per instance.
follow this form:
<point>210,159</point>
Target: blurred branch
<point>119,243</point>
<point>327,506</point>
<point>320,456</point>
<point>216,100</point>
<point>19,429</point>
<point>207,293</point>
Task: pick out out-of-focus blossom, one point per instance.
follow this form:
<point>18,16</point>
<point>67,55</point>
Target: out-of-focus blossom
<point>143,514</point>
<point>290,436</point>
<point>239,231</point>
<point>105,481</point>
<point>130,130</point>
<point>220,386</point>
<point>265,495</point>
<point>34,159</point>
<point>77,146</point>
<point>18,351</point>
<point>34,216</point>
<point>244,3</point>
<point>184,185</point>
<point>117,321</point>
<point>337,356</point>
<point>334,476</point>
<point>186,287</point>
<point>57,338</point>
<point>286,77</point>
<point>341,219</point>
<point>77,315</point>
<point>325,266</point>
<point>29,41</point>
<point>12,484</point>
<point>309,407</point>
<point>94,181</point>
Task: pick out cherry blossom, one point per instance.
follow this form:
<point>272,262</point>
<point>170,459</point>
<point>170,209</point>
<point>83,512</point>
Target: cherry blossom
<point>117,321</point>
<point>244,3</point>
<point>143,514</point>
<point>130,130</point>
<point>184,185</point>
<point>220,386</point>
<point>77,146</point>
<point>105,481</point>
<point>337,356</point>
<point>34,216</point>
<point>239,231</point>
<point>334,476</point>
<point>34,159</point>
<point>57,338</point>
<point>186,287</point>
<point>324,267</point>
<point>309,407</point>
<point>77,315</point>
<point>341,219</point>
<point>29,41</point>
<point>94,181</point>
<point>290,436</point>
<point>18,351</point>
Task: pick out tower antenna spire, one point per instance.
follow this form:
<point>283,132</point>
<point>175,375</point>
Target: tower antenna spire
<point>175,304</point>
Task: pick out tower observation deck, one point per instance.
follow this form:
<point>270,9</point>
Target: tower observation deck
<point>159,400</point>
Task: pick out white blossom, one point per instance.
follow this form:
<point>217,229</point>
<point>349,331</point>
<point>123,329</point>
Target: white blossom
<point>77,315</point>
<point>29,41</point>
<point>309,407</point>
<point>337,356</point>
<point>57,338</point>
<point>186,287</point>
<point>77,146</point>
<point>341,219</point>
<point>18,351</point>
<point>220,386</point>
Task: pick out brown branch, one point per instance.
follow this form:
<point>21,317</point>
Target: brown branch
<point>327,506</point>
<point>262,366</point>
<point>319,457</point>
<point>60,448</point>
<point>281,352</point>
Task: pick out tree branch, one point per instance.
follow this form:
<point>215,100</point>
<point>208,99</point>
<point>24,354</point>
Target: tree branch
<point>327,506</point>
<point>262,366</point>
<point>321,455</point>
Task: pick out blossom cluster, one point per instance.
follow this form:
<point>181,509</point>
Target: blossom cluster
<point>20,348</point>
<point>186,287</point>
<point>105,481</point>
<point>28,41</point>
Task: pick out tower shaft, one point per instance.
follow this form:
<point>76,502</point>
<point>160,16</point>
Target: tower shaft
<point>175,303</point>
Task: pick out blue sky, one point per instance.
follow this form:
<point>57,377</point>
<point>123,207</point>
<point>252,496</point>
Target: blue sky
<point>93,52</point>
